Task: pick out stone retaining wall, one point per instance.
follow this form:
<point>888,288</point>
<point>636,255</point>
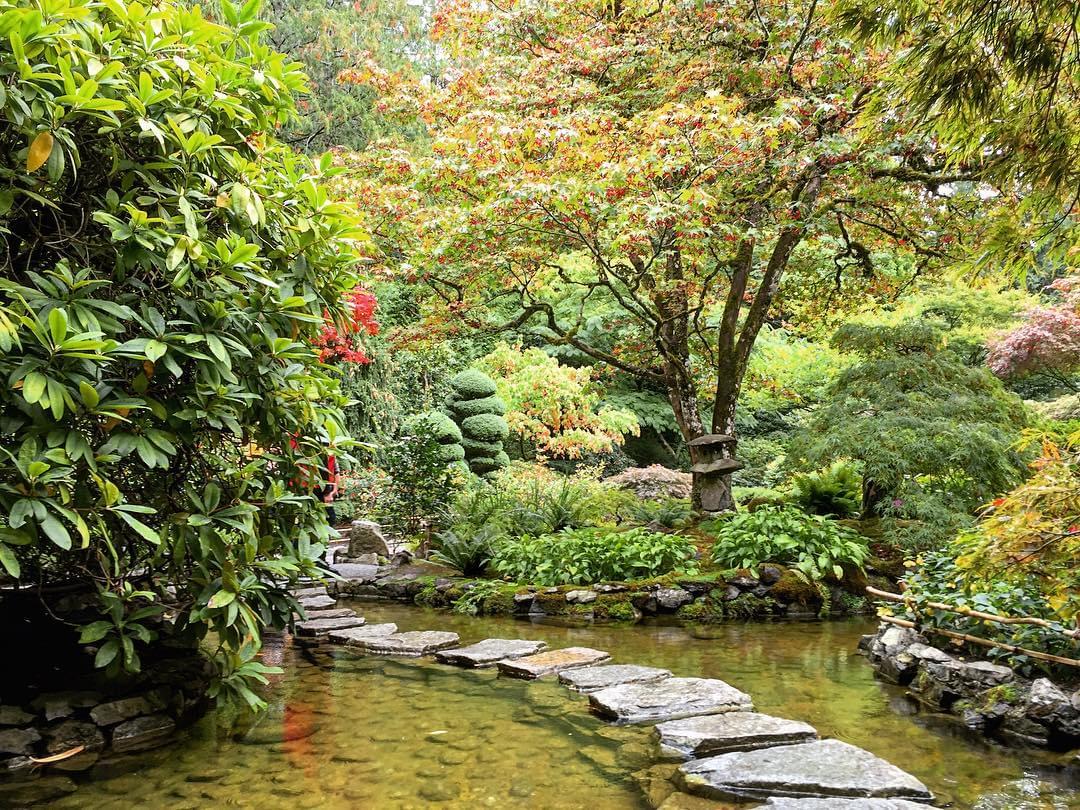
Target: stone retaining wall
<point>986,697</point>
<point>706,598</point>
<point>138,717</point>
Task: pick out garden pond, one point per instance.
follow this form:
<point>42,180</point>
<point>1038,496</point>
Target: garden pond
<point>346,730</point>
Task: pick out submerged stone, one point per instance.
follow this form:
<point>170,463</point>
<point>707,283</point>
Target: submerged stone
<point>320,627</point>
<point>844,804</point>
<point>143,733</point>
<point>360,636</point>
<point>668,699</point>
<point>551,662</point>
<point>824,769</point>
<point>731,731</point>
<point>490,651</point>
<point>590,679</point>
<point>414,643</point>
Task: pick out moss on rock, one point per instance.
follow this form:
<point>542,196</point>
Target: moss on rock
<point>793,589</point>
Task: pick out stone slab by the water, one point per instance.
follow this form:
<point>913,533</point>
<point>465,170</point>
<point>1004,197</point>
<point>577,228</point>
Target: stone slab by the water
<point>843,804</point>
<point>317,602</point>
<point>304,593</point>
<point>328,613</point>
<point>360,636</point>
<point>552,661</point>
<point>490,651</point>
<point>414,643</point>
<point>591,679</point>
<point>319,627</point>
<point>356,571</point>
<point>732,731</point>
<point>669,699</point>
<point>822,769</point>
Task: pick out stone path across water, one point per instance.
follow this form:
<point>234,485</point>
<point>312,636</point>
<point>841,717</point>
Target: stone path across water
<point>489,652</point>
<point>733,751</point>
<point>552,662</point>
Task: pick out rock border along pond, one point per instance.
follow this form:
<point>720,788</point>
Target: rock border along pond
<point>730,751</point>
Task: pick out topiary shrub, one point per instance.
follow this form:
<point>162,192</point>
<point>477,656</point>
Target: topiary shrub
<point>475,408</point>
<point>443,430</point>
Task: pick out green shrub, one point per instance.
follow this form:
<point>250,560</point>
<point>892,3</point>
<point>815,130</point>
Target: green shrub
<point>487,427</point>
<point>835,491</point>
<point>475,449</point>
<point>168,265</point>
<point>474,407</point>
<point>471,385</point>
<point>586,556</point>
<point>811,545</point>
<point>439,425</point>
<point>420,481</point>
<point>468,553</point>
<point>670,513</point>
<point>451,452</point>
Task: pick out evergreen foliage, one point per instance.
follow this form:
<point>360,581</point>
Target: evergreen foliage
<point>483,432</point>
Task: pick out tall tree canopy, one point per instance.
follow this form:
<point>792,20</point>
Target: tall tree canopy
<point>660,162</point>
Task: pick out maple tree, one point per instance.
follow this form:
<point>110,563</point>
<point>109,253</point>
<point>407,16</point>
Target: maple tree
<point>1047,342</point>
<point>555,407</point>
<point>662,161</point>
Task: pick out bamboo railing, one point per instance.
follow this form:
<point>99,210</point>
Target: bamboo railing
<point>977,614</point>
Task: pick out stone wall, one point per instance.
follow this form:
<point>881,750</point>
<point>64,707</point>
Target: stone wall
<point>986,697</point>
<point>107,725</point>
<point>706,598</point>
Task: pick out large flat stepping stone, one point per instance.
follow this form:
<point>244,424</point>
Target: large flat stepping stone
<point>552,661</point>
<point>843,804</point>
<point>356,571</point>
<point>317,602</point>
<point>824,769</point>
<point>694,737</point>
<point>320,627</point>
<point>328,613</point>
<point>304,593</point>
<point>591,679</point>
<point>669,699</point>
<point>489,652</point>
<point>413,644</point>
<point>359,636</point>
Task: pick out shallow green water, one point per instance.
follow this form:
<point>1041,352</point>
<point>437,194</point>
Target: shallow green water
<point>346,731</point>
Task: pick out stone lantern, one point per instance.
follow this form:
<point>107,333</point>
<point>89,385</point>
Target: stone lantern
<point>714,463</point>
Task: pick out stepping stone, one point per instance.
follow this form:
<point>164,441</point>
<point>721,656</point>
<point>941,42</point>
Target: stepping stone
<point>320,627</point>
<point>732,731</point>
<point>317,602</point>
<point>843,804</point>
<point>359,636</point>
<point>490,651</point>
<point>328,613</point>
<point>551,662</point>
<point>304,593</point>
<point>669,699</point>
<point>356,571</point>
<point>824,769</point>
<point>414,643</point>
<point>591,679</point>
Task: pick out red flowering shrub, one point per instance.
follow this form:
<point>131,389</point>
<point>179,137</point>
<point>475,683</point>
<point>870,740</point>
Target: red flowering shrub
<point>341,344</point>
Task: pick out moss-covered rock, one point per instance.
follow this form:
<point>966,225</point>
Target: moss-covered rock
<point>704,609</point>
<point>499,604</point>
<point>749,606</point>
<point>793,589</point>
<point>615,607</point>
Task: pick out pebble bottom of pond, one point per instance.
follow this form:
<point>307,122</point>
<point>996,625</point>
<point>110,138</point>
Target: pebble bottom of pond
<point>345,730</point>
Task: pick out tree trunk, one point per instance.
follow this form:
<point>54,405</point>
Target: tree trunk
<point>872,498</point>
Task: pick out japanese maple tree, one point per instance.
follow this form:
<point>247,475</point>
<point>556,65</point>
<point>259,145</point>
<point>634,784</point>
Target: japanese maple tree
<point>662,161</point>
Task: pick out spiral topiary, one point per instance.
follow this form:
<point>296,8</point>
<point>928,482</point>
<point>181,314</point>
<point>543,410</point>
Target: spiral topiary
<point>443,429</point>
<point>478,411</point>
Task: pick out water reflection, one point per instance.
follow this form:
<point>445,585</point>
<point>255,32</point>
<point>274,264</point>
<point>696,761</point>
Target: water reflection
<point>346,731</point>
